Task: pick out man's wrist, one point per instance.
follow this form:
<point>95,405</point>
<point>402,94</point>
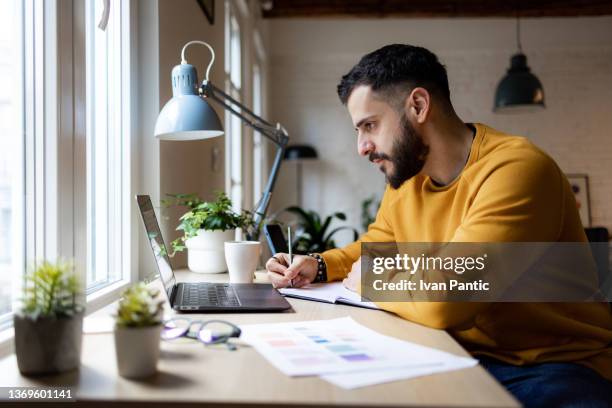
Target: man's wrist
<point>321,275</point>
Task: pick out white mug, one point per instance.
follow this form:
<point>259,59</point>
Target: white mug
<point>242,258</point>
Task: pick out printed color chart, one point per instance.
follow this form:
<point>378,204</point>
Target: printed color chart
<point>331,346</point>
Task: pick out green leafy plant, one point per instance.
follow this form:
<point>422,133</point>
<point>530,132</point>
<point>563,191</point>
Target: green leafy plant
<point>212,216</point>
<point>369,207</point>
<point>140,307</point>
<point>51,290</point>
<point>313,234</point>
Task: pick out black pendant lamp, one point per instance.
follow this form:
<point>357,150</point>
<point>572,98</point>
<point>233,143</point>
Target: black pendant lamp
<point>519,90</point>
<point>299,154</point>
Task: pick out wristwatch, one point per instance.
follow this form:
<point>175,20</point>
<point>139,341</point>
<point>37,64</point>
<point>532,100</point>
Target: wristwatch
<point>321,268</point>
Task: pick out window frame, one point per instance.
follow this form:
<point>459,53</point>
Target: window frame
<point>260,146</point>
<point>233,125</point>
<point>99,296</point>
<point>54,190</point>
<point>18,195</point>
<point>54,211</point>
<point>118,130</point>
<point>43,154</point>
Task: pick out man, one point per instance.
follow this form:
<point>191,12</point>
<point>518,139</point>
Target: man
<point>449,181</point>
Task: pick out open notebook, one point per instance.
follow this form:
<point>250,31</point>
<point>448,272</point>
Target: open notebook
<point>333,292</point>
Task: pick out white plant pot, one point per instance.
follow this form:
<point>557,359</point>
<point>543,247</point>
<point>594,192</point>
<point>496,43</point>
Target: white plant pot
<point>137,350</point>
<point>205,251</point>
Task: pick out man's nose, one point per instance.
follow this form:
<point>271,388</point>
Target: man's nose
<point>364,146</point>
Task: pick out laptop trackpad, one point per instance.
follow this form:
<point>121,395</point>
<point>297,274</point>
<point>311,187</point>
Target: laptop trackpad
<point>259,296</point>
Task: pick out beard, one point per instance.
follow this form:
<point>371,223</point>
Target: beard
<point>408,155</point>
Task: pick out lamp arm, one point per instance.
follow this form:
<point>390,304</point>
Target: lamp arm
<point>207,85</point>
<point>260,210</point>
<point>249,117</point>
<point>276,134</point>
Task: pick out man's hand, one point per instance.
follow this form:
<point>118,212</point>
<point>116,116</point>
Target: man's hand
<point>353,279</point>
<point>300,273</point>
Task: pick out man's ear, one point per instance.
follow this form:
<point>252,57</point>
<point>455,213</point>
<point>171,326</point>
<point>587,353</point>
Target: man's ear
<point>418,104</point>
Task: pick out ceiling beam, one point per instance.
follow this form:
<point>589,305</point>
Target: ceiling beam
<point>433,8</point>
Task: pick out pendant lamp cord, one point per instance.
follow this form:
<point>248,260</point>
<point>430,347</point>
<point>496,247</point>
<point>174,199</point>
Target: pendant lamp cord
<point>518,33</point>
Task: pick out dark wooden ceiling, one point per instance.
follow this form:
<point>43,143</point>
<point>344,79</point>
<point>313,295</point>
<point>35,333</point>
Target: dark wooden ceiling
<point>433,8</point>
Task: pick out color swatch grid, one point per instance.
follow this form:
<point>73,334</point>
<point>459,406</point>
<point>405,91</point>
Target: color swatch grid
<point>341,344</point>
<point>330,346</point>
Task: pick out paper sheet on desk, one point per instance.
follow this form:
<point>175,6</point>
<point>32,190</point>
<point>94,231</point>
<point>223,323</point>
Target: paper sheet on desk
<point>365,378</point>
<point>333,292</point>
<point>337,346</point>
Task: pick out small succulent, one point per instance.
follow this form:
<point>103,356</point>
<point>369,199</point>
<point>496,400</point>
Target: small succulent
<point>51,290</point>
<point>140,307</point>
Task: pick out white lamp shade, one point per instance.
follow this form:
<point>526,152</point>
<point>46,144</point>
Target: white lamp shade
<point>187,116</point>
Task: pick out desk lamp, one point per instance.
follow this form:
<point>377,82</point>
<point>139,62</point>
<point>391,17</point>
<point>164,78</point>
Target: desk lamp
<point>188,116</point>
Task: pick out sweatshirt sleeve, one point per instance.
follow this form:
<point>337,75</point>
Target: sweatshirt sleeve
<point>339,261</point>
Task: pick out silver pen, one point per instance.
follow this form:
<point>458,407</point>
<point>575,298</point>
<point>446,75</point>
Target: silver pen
<point>290,251</point>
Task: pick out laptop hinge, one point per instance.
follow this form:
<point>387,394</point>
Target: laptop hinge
<point>173,293</point>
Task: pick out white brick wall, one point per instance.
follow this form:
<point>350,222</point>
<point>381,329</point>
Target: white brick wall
<point>572,58</point>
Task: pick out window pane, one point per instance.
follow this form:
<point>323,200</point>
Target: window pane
<point>12,182</point>
<point>236,161</point>
<point>105,164</point>
<point>233,123</point>
<point>235,51</point>
<point>257,141</point>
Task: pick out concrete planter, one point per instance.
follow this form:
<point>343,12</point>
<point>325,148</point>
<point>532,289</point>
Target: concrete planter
<point>48,345</point>
<point>206,253</point>
<point>137,350</point>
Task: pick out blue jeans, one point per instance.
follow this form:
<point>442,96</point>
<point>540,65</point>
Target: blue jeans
<point>552,384</point>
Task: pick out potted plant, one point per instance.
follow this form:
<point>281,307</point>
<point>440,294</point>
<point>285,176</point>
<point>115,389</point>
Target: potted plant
<point>49,326</point>
<point>137,331</point>
<point>313,233</point>
<point>206,227</point>
<point>369,208</point>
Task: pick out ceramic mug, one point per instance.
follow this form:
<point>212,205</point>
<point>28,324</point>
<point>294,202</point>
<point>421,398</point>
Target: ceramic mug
<point>242,258</point>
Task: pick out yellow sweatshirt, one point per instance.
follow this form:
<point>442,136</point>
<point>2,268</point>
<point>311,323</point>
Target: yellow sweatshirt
<point>509,191</point>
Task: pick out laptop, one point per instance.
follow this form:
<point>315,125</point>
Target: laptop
<point>205,296</point>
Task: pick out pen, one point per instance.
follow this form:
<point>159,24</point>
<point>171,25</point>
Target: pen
<point>290,251</point>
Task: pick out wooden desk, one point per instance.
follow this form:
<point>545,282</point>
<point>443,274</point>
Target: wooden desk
<point>193,374</point>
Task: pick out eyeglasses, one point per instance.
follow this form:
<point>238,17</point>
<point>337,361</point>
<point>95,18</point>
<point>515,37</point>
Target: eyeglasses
<point>208,332</point>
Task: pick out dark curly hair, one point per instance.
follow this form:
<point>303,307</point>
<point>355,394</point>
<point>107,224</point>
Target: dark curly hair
<point>395,69</point>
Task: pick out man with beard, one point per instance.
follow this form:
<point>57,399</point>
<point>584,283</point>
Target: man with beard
<point>449,181</point>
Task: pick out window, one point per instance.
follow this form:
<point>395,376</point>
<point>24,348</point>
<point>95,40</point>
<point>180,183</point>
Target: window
<point>12,159</point>
<point>107,151</point>
<point>233,125</point>
<point>63,86</point>
<point>259,144</point>
<point>257,138</point>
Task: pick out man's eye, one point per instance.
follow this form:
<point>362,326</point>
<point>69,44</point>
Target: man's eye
<point>369,126</point>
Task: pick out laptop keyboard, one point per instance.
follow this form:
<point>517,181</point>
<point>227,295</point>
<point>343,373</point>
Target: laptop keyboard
<point>209,294</point>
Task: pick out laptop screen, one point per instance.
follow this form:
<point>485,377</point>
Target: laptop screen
<point>157,242</point>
